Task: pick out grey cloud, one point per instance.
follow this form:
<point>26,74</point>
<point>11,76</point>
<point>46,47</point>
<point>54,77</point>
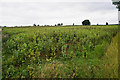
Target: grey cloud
<point>24,13</point>
<point>55,0</point>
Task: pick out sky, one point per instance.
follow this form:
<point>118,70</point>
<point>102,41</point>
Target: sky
<point>51,12</point>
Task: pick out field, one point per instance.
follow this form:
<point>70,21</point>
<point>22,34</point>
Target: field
<point>60,52</point>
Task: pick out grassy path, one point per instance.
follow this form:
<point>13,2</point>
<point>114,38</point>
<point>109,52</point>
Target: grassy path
<point>111,58</point>
<point>109,68</point>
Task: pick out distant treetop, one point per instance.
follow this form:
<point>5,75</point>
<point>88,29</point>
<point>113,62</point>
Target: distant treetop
<point>86,22</point>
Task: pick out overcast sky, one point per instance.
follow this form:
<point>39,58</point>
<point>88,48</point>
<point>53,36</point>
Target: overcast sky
<point>51,12</point>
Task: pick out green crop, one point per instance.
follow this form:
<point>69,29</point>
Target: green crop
<point>23,47</point>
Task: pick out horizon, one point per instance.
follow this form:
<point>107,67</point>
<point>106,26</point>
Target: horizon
<point>61,25</point>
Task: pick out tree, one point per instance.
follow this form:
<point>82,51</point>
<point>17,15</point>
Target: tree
<point>73,24</point>
<point>55,25</point>
<point>58,24</point>
<point>106,23</point>
<point>61,24</point>
<point>86,22</point>
<point>38,25</point>
<point>34,24</point>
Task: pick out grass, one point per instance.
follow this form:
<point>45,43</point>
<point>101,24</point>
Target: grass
<point>111,59</point>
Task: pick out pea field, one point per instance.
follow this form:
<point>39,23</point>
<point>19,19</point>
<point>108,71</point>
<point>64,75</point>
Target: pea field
<point>60,52</point>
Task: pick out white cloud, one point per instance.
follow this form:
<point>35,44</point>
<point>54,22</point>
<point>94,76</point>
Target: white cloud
<point>55,0</point>
<point>28,13</point>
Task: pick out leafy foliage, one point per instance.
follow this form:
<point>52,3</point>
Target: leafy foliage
<point>28,47</point>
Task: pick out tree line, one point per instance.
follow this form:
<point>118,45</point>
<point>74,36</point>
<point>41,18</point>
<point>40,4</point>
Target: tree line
<point>85,22</point>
